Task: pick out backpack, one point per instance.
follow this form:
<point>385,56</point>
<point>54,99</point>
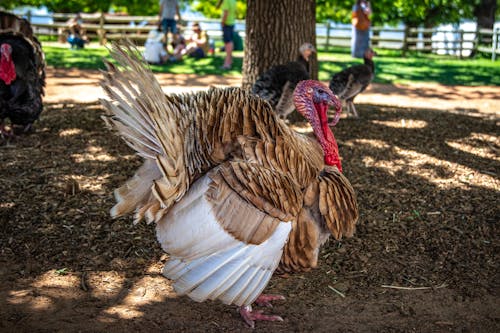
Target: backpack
<point>360,20</point>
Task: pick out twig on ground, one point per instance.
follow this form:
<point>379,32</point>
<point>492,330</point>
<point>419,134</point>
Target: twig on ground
<point>413,288</point>
<point>336,291</point>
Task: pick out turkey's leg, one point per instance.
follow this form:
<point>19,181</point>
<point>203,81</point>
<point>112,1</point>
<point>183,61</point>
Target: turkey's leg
<point>353,109</point>
<point>265,300</point>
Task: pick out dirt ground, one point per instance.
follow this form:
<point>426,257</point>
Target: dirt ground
<point>424,161</point>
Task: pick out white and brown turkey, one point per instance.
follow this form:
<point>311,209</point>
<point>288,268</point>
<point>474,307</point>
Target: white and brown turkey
<point>234,192</point>
<point>353,80</point>
<point>22,74</point>
<point>276,85</point>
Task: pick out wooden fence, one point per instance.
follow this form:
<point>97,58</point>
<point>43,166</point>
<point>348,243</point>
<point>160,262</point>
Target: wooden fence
<point>105,27</point>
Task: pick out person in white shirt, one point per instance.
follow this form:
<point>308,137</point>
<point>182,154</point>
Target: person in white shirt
<point>154,51</point>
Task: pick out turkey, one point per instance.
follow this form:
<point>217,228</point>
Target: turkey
<point>276,85</point>
<point>353,80</point>
<point>234,192</point>
<point>22,74</point>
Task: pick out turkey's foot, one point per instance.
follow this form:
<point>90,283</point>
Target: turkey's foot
<point>265,300</point>
<point>250,316</point>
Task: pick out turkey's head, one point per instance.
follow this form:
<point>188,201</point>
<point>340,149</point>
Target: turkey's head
<point>7,66</point>
<point>306,50</point>
<point>312,100</point>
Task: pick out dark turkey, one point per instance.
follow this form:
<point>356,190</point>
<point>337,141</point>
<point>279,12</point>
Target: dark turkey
<point>276,85</point>
<point>22,74</point>
<point>348,83</point>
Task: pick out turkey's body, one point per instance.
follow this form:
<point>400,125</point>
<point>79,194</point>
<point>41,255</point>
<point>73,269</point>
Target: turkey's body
<point>20,98</point>
<point>277,84</point>
<point>233,190</point>
<point>350,82</point>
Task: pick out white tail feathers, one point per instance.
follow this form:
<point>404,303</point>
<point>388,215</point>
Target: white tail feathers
<point>206,261</point>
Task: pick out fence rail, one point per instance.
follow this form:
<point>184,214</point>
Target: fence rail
<point>105,27</point>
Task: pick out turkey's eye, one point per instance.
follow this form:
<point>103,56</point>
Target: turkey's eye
<point>321,91</point>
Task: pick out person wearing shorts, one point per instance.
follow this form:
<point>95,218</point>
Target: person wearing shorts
<point>228,19</point>
<point>168,10</point>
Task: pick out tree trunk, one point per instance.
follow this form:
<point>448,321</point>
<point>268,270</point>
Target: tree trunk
<point>485,19</point>
<point>274,32</point>
<point>485,14</point>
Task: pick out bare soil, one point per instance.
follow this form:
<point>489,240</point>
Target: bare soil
<point>423,159</point>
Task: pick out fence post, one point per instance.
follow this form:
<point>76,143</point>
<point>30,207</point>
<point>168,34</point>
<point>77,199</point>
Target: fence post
<point>101,33</point>
<point>494,44</point>
<point>405,39</point>
<point>327,46</point>
<point>461,43</point>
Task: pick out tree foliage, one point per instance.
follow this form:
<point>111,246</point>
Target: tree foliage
<point>414,13</point>
<point>209,8</point>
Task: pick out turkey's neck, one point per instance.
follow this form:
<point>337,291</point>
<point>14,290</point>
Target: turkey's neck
<point>7,69</point>
<point>304,62</point>
<point>370,64</point>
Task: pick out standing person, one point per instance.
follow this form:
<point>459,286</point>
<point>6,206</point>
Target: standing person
<point>360,41</point>
<point>227,22</point>
<point>168,10</point>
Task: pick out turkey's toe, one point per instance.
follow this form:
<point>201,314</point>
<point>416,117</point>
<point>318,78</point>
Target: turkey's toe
<point>250,316</point>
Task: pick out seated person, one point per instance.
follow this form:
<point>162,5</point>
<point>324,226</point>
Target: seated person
<point>177,46</point>
<point>154,51</point>
<point>197,44</point>
<point>76,34</point>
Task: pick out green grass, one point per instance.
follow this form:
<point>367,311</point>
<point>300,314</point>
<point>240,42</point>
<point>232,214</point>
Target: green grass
<point>391,66</point>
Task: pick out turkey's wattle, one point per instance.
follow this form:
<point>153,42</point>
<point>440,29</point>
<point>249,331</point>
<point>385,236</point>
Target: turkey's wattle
<point>7,66</point>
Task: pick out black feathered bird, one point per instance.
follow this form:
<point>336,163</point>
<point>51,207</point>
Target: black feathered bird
<point>276,85</point>
<point>348,83</point>
<point>22,74</point>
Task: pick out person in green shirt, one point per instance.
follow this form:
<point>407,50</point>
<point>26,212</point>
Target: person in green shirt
<point>228,18</point>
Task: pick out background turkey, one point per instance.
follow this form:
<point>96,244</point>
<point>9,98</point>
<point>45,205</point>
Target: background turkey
<point>348,83</point>
<point>276,85</point>
<point>22,74</point>
<point>233,190</point>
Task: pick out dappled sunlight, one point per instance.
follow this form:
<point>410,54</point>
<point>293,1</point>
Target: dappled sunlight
<point>367,142</point>
<point>443,173</point>
<point>70,132</point>
<point>107,284</point>
<point>403,123</point>
<point>93,153</point>
<point>147,290</point>
<point>479,144</point>
<point>49,286</point>
<point>419,166</point>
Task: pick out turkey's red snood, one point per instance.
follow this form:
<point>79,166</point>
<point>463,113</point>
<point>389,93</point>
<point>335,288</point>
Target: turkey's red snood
<point>7,67</point>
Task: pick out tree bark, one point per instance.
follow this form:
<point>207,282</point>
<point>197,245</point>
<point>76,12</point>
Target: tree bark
<point>275,29</point>
<point>485,14</point>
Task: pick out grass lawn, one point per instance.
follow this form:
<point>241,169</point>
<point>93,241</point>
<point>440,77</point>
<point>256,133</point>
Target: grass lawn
<point>391,67</point>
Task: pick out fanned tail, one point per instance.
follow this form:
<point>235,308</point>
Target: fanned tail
<point>149,122</point>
